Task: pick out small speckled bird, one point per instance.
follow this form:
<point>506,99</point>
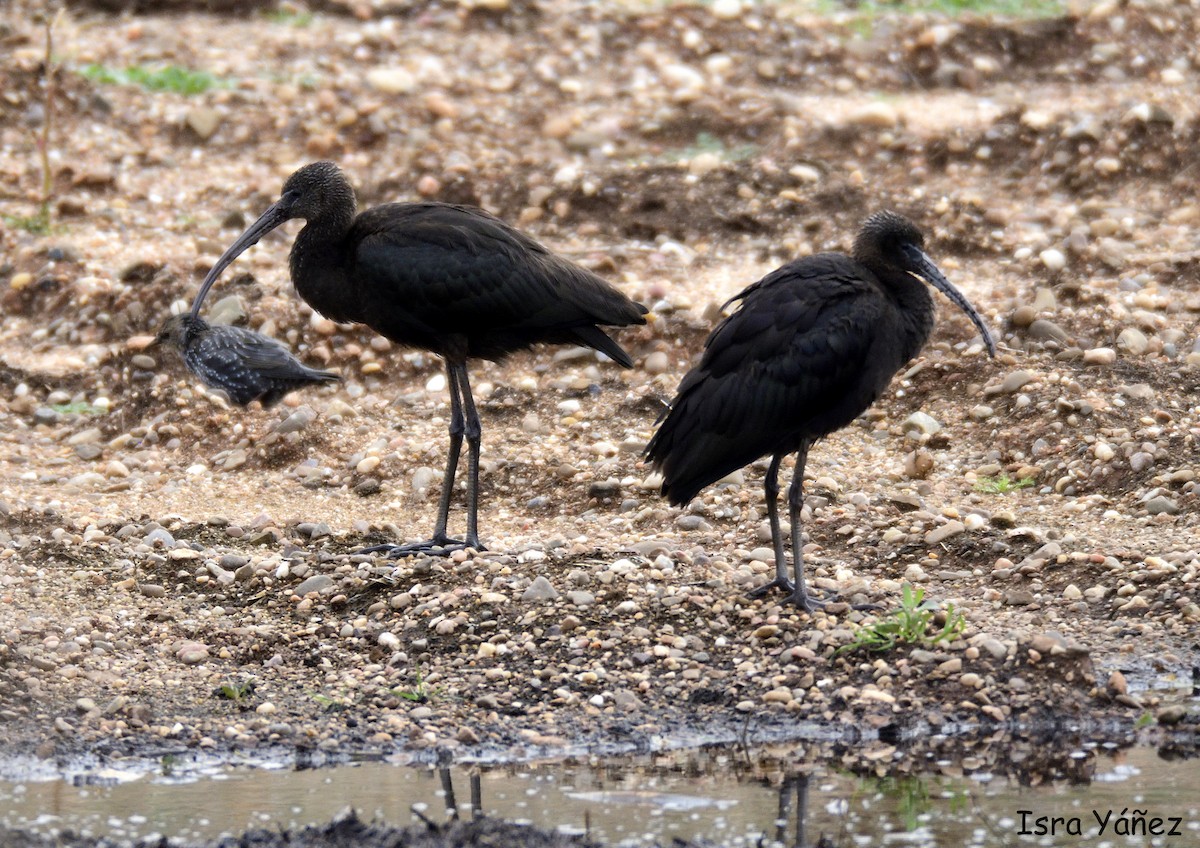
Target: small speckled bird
<point>245,365</point>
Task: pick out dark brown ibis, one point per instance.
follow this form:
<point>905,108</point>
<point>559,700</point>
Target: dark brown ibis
<point>812,345</point>
<point>454,280</point>
<point>245,365</point>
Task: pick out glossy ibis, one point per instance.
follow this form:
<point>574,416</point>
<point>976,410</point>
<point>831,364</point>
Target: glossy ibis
<point>245,365</point>
<point>813,344</point>
<point>450,279</point>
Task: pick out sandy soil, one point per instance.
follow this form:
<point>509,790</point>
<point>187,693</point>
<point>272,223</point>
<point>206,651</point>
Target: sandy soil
<point>179,575</point>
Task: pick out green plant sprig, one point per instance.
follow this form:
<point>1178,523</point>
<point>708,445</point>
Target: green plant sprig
<point>908,624</point>
<point>169,78</point>
<point>1002,484</point>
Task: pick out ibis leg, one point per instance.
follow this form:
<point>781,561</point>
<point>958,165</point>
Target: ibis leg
<point>456,438</point>
<point>771,489</point>
<point>474,433</point>
<point>799,596</point>
<point>442,544</point>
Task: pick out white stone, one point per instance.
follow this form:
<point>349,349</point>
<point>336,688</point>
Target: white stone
<point>391,80</point>
<point>727,10</point>
<point>1053,258</point>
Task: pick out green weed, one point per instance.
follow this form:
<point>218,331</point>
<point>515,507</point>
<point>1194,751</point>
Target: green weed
<point>239,693</point>
<point>170,78</point>
<point>331,704</point>
<point>420,693</point>
<point>79,408</point>
<point>909,624</point>
<point>39,224</point>
<point>1002,484</point>
<point>706,142</point>
<point>289,17</point>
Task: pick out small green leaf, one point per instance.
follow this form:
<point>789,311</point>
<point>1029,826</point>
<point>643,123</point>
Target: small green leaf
<point>909,624</point>
<point>78,409</point>
<point>1002,484</point>
<point>169,78</point>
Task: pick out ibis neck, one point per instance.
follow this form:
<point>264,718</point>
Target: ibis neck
<point>916,311</point>
<point>318,266</point>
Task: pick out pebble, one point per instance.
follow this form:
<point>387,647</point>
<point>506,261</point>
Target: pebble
<point>391,80</point>
<point>1045,330</point>
<point>1162,504</point>
<point>703,163</point>
<point>87,436</point>
<point>995,647</point>
<point>297,421</point>
<point>540,590</point>
<point>692,522</point>
<point>230,309</point>
<point>203,121</point>
<point>1018,597</point>
<point>1053,258</point>
<point>947,531</point>
<point>1023,316</point>
<point>604,488</point>
<point>919,421</point>
<point>191,653</point>
<point>876,114</point>
<point>726,10</point>
<point>159,538</point>
<point>424,478</point>
<point>1132,340</point>
<point>316,583</point>
<point>1012,382</point>
<point>1171,715</point>
<point>657,363</point>
<point>1037,120</point>
<point>1100,356</point>
<point>781,695</point>
<point>388,641</point>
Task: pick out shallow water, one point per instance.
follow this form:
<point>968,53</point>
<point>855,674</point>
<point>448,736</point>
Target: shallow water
<point>726,798</point>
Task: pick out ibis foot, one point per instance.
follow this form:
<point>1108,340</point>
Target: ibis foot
<point>797,597</point>
<point>765,589</point>
<point>438,546</point>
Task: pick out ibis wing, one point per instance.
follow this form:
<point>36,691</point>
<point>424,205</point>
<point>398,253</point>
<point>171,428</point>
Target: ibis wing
<point>787,366</point>
<point>464,271</point>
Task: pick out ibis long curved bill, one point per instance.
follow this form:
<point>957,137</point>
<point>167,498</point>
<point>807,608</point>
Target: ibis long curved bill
<point>924,266</point>
<point>276,214</point>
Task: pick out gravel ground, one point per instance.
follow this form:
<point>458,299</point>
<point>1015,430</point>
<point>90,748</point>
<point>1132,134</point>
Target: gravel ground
<point>178,575</point>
